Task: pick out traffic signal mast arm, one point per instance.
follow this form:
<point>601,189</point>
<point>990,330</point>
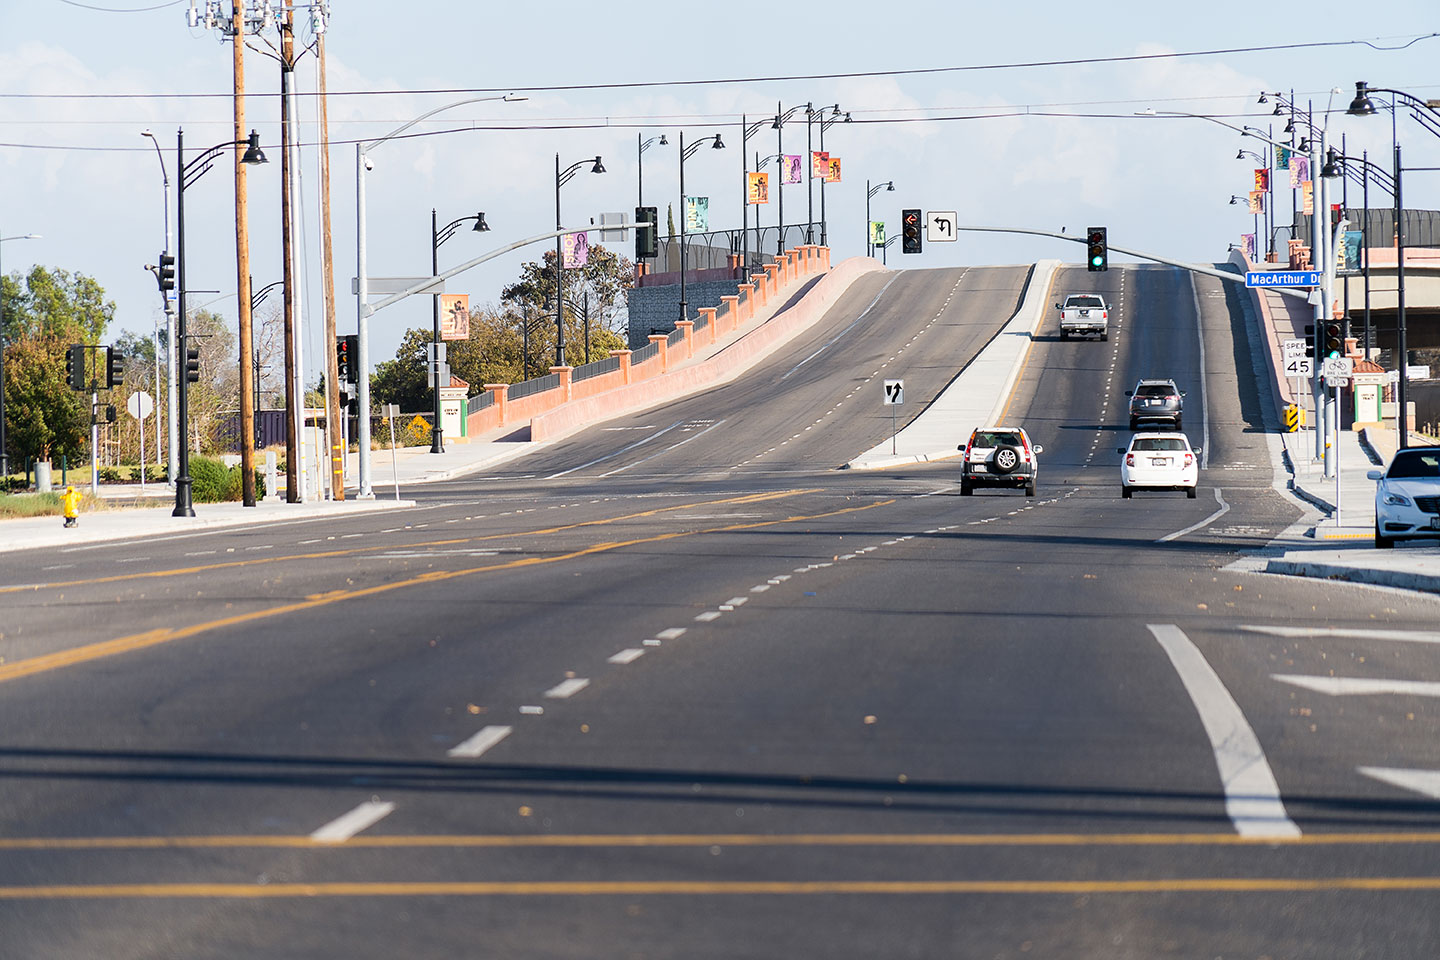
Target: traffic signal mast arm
<point>1192,267</point>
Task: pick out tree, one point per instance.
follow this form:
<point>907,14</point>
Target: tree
<point>46,418</point>
<point>604,278</point>
<point>404,380</point>
<point>56,303</point>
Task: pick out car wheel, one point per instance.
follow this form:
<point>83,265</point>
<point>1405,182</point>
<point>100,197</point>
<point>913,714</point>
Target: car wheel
<point>1134,424</point>
<point>1190,492</point>
<point>1104,336</point>
<point>1124,492</point>
<point>1064,334</point>
<point>1177,423</point>
<point>965,488</point>
<point>1005,460</point>
<point>1030,489</point>
<point>1382,542</point>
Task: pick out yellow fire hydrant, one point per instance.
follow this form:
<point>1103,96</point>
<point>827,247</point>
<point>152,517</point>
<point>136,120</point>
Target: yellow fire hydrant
<point>70,501</point>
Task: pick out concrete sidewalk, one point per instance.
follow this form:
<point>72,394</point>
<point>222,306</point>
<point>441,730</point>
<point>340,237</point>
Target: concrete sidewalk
<point>978,394</point>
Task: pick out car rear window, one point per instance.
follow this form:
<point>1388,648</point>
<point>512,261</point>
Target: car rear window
<point>1414,463</point>
<point>986,438</point>
<point>1084,301</point>
<point>1159,443</point>
<point>1154,390</point>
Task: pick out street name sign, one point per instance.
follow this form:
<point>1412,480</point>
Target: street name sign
<point>1283,278</point>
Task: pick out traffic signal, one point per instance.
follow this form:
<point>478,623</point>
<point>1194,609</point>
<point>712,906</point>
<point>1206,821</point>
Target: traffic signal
<point>192,365</point>
<point>909,231</point>
<point>75,366</point>
<point>1310,340</point>
<point>114,368</point>
<point>166,276</point>
<point>647,242</point>
<point>1097,248</point>
<point>347,358</point>
<point>1333,341</point>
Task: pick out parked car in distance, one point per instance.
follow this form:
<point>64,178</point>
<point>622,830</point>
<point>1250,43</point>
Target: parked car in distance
<point>1156,401</point>
<point>999,457</point>
<point>1159,461</point>
<point>1407,496</point>
<point>1084,314</point>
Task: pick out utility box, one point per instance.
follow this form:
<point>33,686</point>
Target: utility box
<point>452,411</point>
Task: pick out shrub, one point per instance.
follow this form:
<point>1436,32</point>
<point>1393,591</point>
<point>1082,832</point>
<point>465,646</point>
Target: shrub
<point>211,481</point>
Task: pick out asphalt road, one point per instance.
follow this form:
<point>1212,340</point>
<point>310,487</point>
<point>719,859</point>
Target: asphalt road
<point>678,687</point>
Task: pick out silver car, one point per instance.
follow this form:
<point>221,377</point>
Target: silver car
<point>1407,497</point>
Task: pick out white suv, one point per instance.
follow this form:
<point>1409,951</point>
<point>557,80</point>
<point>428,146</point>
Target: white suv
<point>999,457</point>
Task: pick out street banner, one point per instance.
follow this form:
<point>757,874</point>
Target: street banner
<point>1262,180</point>
<point>1247,240</point>
<point>877,232</point>
<point>1282,159</point>
<point>577,250</point>
<point>1307,192</point>
<point>832,170</point>
<point>1257,201</point>
<point>1299,171</point>
<point>697,214</point>
<point>1351,248</point>
<point>757,188</point>
<point>454,316</point>
<point>819,164</point>
<point>792,166</point>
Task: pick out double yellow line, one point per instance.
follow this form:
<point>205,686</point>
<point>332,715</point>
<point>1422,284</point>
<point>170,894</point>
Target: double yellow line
<point>153,638</point>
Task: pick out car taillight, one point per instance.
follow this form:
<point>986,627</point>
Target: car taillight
<point>968,444</point>
<point>1104,314</point>
<point>1025,443</point>
<point>1189,459</point>
<point>1129,459</point>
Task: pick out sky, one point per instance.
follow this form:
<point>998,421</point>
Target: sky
<point>1043,147</point>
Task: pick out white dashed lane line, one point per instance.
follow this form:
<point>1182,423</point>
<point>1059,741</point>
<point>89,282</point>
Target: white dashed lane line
<point>708,615</point>
<point>628,655</point>
<point>672,633</point>
<point>361,818</point>
<point>566,689</point>
<point>480,743</point>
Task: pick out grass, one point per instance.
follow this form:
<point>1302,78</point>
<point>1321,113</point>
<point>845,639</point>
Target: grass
<point>48,504</point>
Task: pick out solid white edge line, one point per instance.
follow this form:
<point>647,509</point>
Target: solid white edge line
<point>1360,686</point>
<point>481,742</point>
<point>1224,509</point>
<point>1348,633</point>
<point>1252,797</point>
<point>842,333</point>
<point>611,456</point>
<point>361,818</point>
<point>1204,393</point>
<point>566,689</point>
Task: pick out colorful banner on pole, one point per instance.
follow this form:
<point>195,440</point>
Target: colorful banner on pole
<point>1257,201</point>
<point>832,169</point>
<point>577,250</point>
<point>1282,159</point>
<point>454,316</point>
<point>877,232</point>
<point>757,188</point>
<point>1351,249</point>
<point>819,164</point>
<point>1307,193</point>
<point>1262,180</point>
<point>697,214</point>
<point>1247,241</point>
<point>1299,171</point>
<point>792,166</point>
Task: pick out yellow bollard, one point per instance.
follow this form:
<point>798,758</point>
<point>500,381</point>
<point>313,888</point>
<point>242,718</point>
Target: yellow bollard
<point>70,502</point>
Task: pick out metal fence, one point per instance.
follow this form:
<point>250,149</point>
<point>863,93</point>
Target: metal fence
<point>711,250</point>
<point>676,337</point>
<point>595,368</point>
<point>1422,227</point>
<point>480,401</point>
<point>644,353</point>
<point>527,387</point>
<point>701,322</point>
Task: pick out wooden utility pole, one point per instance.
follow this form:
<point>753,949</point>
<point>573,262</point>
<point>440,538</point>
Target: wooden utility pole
<point>242,268</point>
<point>293,404</point>
<point>332,370</point>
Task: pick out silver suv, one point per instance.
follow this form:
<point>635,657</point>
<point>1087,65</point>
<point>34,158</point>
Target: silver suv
<point>1156,401</point>
<point>999,457</point>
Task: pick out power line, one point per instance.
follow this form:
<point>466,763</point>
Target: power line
<point>158,6</point>
<point>1374,44</point>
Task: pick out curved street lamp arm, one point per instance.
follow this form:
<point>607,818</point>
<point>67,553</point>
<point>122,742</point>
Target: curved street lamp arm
<point>367,145</point>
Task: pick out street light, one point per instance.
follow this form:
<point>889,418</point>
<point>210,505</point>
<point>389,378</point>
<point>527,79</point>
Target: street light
<point>685,154</point>
<point>562,178</point>
<point>746,131</point>
<point>437,237</point>
<point>4,456</point>
<point>813,116</point>
<point>363,311</point>
<point>781,118</point>
<point>641,147</point>
<point>189,173</point>
<point>1424,112</point>
<point>870,192</point>
<point>169,306</point>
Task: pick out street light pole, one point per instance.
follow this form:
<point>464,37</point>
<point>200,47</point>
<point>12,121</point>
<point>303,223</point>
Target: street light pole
<point>169,302</point>
<point>437,237</point>
<point>363,310</point>
<point>4,455</point>
<point>685,154</point>
<point>870,192</point>
<point>562,178</point>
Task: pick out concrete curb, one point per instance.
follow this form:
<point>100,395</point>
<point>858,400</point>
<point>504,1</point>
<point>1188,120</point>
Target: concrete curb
<point>1335,570</point>
<point>1008,349</point>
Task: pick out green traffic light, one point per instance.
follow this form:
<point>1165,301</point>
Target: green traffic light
<point>1096,261</point>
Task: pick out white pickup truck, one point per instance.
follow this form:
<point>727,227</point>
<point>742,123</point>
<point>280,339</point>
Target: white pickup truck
<point>1084,314</point>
